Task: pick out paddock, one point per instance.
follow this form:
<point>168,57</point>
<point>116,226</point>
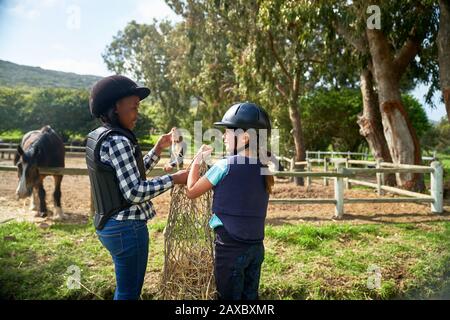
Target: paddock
<point>309,253</point>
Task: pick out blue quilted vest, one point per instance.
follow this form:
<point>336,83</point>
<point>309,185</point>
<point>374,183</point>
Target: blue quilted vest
<point>240,200</point>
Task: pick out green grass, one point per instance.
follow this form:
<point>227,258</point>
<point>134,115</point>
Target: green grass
<point>301,261</point>
<point>332,261</point>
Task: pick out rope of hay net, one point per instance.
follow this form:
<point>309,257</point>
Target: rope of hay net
<point>188,248</point>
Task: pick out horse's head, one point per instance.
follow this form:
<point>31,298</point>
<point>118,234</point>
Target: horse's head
<point>27,170</point>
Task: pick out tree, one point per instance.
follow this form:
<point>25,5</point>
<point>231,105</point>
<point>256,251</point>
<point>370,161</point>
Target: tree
<point>12,103</point>
<point>144,51</point>
<point>406,28</point>
<point>275,48</point>
<point>214,81</point>
<point>330,119</point>
<point>369,120</point>
<point>443,144</point>
<point>444,52</point>
<point>66,110</point>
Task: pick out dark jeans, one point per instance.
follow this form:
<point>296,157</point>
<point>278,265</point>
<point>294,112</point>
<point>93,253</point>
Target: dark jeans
<point>127,242</point>
<point>237,267</point>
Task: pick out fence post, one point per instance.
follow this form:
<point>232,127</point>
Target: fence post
<point>9,153</point>
<point>325,169</point>
<point>347,183</point>
<point>308,168</point>
<point>379,178</point>
<point>339,193</point>
<point>437,187</point>
<point>292,167</point>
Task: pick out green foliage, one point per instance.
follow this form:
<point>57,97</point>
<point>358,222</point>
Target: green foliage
<point>329,118</point>
<point>66,110</point>
<point>437,137</point>
<point>13,136</point>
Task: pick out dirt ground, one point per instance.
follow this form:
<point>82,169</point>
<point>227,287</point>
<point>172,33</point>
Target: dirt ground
<point>75,203</point>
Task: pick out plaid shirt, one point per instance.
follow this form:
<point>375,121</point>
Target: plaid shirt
<point>118,152</point>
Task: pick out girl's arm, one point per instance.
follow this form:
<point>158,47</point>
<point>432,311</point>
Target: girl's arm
<point>135,190</point>
<point>197,186</point>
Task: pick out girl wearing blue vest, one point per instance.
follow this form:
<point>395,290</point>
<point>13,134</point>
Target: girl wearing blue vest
<point>241,194</point>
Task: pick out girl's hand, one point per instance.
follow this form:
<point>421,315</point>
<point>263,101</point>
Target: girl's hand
<point>203,153</point>
<point>168,168</point>
<point>164,141</point>
<point>180,177</point>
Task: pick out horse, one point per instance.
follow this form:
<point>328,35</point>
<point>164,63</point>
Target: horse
<point>40,148</point>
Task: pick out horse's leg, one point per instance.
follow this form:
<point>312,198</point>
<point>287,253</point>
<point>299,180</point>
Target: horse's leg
<point>59,214</point>
<point>41,193</point>
<point>34,203</point>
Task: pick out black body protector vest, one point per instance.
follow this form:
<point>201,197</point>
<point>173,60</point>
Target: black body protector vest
<point>107,197</point>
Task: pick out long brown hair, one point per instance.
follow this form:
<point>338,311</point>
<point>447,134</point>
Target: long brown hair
<point>269,179</point>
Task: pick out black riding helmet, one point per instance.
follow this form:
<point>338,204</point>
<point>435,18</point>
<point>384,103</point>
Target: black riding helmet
<point>245,115</point>
<point>107,91</point>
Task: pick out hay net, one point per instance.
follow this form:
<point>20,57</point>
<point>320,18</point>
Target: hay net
<point>188,247</point>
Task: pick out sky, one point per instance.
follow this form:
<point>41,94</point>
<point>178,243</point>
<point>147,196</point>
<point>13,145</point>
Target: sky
<point>71,35</point>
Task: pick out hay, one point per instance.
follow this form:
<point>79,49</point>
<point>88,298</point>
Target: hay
<point>188,248</point>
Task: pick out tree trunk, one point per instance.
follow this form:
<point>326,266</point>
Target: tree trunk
<point>400,135</point>
<point>444,52</point>
<point>297,133</point>
<point>370,124</point>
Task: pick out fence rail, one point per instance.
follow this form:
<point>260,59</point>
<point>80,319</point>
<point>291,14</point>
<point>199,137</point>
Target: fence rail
<point>9,149</point>
<point>333,153</point>
<point>157,171</point>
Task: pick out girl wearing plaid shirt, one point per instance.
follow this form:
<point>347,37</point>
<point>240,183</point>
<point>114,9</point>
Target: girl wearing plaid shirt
<point>121,192</point>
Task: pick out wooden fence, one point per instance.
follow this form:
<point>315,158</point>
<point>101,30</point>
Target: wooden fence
<point>378,169</point>
<point>343,176</point>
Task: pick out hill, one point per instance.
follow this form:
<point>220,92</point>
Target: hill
<point>12,75</point>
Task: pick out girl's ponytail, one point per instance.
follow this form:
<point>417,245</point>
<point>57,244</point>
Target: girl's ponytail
<point>269,179</point>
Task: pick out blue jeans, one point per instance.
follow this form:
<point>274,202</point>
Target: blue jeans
<point>237,267</point>
<point>127,241</point>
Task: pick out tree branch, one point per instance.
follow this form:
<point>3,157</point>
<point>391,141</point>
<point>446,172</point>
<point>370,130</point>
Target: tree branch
<point>199,98</point>
<point>281,90</point>
<point>277,57</point>
<point>361,44</point>
<point>407,53</point>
